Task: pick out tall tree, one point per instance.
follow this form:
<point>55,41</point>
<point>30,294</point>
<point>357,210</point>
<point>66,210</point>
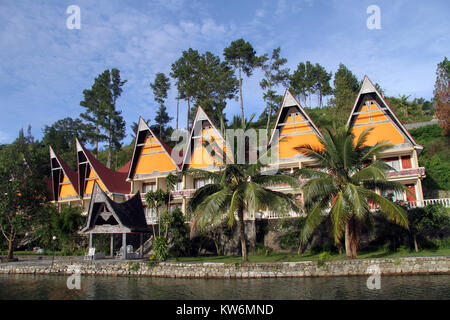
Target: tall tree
<point>321,82</point>
<point>241,55</point>
<point>160,87</point>
<point>343,192</point>
<point>442,95</point>
<point>346,87</point>
<point>273,76</point>
<point>184,71</point>
<point>22,189</point>
<point>204,80</point>
<point>297,83</point>
<point>216,84</point>
<point>302,82</point>
<point>101,111</point>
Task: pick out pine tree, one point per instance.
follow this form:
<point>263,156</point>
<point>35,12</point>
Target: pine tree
<point>274,76</point>
<point>346,87</point>
<point>160,87</point>
<point>101,113</point>
<point>241,55</point>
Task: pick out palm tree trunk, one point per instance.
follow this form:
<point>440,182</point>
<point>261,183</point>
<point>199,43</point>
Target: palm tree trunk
<point>416,247</point>
<point>242,233</point>
<point>348,249</point>
<point>352,238</point>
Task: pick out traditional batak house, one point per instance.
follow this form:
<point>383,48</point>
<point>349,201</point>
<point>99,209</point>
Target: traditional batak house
<point>90,170</point>
<point>150,164</point>
<point>293,128</point>
<point>205,149</point>
<point>371,110</point>
<point>64,183</point>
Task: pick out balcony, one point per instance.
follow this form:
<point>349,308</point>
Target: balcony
<point>407,172</point>
<point>423,203</point>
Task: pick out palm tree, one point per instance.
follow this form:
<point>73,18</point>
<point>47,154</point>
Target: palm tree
<point>344,193</point>
<point>235,189</point>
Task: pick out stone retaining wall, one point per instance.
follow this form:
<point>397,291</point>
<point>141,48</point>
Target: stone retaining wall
<point>410,265</point>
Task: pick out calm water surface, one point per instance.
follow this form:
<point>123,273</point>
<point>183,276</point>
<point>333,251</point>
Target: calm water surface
<point>100,287</point>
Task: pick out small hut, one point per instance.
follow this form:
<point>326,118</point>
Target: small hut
<point>106,216</point>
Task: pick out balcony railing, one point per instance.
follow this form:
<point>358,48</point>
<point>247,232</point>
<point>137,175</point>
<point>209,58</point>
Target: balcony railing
<point>407,172</point>
<point>276,215</point>
<point>422,203</point>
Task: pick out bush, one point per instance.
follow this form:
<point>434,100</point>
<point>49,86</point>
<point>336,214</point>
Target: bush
<point>160,248</point>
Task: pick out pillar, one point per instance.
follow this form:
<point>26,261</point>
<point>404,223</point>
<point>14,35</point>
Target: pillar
<point>111,247</point>
<point>124,246</point>
<point>141,252</point>
<point>90,240</point>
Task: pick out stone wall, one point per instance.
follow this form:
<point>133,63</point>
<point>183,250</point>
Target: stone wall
<point>388,266</point>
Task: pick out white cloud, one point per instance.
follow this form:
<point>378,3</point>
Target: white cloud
<point>211,29</point>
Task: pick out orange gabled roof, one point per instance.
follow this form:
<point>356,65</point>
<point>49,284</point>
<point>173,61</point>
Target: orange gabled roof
<point>150,155</point>
<point>114,181</point>
<point>372,110</point>
<point>194,152</point>
<point>68,173</point>
<point>295,127</point>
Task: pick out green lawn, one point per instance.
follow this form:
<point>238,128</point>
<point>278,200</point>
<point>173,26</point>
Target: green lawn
<point>279,257</point>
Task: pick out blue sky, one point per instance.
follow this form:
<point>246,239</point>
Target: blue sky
<point>44,66</point>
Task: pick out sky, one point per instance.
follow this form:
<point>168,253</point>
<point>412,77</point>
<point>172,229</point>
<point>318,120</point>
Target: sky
<point>45,66</point>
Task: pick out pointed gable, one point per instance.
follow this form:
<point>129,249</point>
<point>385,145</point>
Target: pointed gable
<point>151,157</point>
<point>370,110</point>
<point>108,216</point>
<point>295,129</point>
<point>64,179</point>
<point>90,170</point>
<point>205,145</point>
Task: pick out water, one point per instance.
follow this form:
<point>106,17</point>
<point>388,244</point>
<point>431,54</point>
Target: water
<point>101,287</point>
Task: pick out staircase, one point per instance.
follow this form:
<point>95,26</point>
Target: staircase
<point>146,246</point>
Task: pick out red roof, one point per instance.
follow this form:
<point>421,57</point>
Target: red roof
<point>125,168</point>
<point>115,181</point>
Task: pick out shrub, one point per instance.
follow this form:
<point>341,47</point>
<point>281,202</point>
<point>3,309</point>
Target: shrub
<point>160,247</point>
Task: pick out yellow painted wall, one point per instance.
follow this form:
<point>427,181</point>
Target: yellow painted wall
<point>67,190</point>
<point>381,132</point>
<point>90,183</point>
<point>200,157</point>
<point>150,163</point>
<point>287,144</point>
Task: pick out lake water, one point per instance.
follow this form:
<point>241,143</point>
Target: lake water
<point>101,287</point>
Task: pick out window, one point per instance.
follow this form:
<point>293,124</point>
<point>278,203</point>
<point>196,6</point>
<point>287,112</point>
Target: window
<point>146,187</point>
<point>198,183</point>
<point>406,162</point>
<point>393,162</point>
<point>394,195</point>
<point>178,186</point>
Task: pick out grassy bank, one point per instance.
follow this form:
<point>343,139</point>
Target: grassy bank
<point>280,257</point>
